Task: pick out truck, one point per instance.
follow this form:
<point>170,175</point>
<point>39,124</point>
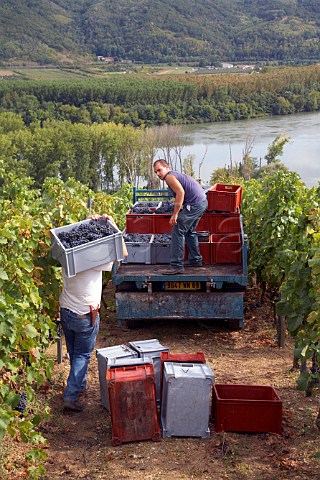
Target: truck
<point>214,291</point>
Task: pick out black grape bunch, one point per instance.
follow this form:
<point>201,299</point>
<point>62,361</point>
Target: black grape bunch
<point>163,238</point>
<point>85,233</point>
<point>144,207</point>
<point>22,405</point>
<point>165,207</point>
<point>138,238</point>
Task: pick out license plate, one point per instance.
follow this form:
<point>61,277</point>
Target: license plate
<point>182,286</point>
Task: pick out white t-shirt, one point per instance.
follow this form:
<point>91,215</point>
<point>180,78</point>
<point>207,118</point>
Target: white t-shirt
<point>83,290</point>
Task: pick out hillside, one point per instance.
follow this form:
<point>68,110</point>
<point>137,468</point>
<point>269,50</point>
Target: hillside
<point>160,30</point>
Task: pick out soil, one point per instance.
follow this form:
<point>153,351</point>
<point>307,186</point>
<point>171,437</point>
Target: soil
<point>79,444</point>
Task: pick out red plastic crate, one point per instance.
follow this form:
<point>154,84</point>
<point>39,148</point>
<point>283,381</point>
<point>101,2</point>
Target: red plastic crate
<point>161,223</point>
<point>224,198</point>
<point>139,223</point>
<point>205,251</point>
<point>202,225</point>
<point>226,248</point>
<point>223,223</point>
<point>133,408</point>
<point>246,408</point>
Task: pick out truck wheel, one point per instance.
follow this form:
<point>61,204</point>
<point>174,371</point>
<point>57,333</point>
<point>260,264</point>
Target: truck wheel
<point>235,324</point>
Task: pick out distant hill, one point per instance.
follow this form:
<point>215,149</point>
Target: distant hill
<point>153,31</point>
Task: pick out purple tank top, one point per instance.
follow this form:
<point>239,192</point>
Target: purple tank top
<point>193,192</point>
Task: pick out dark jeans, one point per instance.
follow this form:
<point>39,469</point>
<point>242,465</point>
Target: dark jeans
<point>81,339</point>
<point>184,232</point>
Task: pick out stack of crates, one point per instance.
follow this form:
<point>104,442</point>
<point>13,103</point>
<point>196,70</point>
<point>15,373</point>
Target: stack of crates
<point>221,223</point>
<point>222,220</point>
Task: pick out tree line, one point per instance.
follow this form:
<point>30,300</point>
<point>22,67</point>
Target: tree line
<point>142,101</point>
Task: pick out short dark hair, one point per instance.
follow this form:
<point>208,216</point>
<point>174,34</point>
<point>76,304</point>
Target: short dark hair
<point>164,163</point>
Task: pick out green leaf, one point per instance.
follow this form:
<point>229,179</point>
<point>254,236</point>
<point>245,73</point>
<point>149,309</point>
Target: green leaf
<point>30,331</point>
<point>28,266</point>
<point>3,275</point>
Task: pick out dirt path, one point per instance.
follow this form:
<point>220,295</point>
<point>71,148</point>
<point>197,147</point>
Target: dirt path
<point>79,444</point>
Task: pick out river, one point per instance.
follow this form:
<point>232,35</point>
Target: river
<point>218,142</point>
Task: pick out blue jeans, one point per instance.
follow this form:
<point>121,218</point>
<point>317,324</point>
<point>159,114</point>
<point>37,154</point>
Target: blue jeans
<point>81,339</point>
<point>184,232</point>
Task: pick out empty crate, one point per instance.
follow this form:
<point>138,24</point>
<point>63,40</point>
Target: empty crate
<point>246,408</point>
<point>224,197</point>
<point>180,358</point>
<point>151,348</point>
<point>105,358</point>
<point>89,255</point>
<point>186,394</point>
<point>133,406</point>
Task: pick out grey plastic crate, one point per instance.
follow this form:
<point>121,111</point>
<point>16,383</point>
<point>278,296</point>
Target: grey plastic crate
<point>106,358</point>
<point>151,348</point>
<point>129,362</point>
<point>90,255</point>
<point>160,251</point>
<point>186,394</point>
<point>139,252</point>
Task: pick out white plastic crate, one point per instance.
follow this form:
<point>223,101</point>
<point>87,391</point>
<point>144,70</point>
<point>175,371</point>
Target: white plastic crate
<point>186,394</point>
<point>106,357</point>
<point>89,255</point>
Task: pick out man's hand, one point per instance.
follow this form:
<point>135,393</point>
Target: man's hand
<point>173,219</point>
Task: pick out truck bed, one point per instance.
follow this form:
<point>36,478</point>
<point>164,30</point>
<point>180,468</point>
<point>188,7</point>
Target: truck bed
<point>207,273</point>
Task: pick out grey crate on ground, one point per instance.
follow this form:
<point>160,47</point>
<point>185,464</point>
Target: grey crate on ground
<point>89,255</point>
<point>151,348</point>
<point>186,394</point>
<point>106,358</point>
<point>129,362</point>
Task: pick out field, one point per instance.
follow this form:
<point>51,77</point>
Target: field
<point>79,444</point>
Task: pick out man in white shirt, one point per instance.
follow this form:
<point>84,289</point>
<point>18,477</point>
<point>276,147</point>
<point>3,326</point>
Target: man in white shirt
<point>79,314</point>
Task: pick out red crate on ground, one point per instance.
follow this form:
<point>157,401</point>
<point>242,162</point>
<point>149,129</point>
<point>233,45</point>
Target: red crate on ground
<point>226,248</point>
<point>139,223</point>
<point>223,197</point>
<point>133,408</point>
<point>246,408</point>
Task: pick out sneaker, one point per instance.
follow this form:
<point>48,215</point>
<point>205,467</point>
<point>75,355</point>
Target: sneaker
<point>173,271</point>
<point>190,264</point>
<point>73,405</point>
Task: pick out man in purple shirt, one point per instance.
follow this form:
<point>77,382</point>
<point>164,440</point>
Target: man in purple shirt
<point>190,203</point>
